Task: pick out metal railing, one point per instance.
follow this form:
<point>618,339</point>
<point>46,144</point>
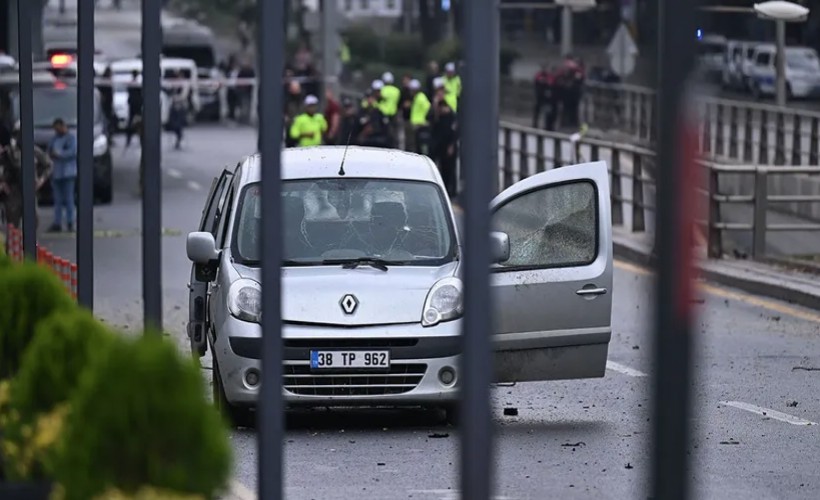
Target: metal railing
<point>741,131</point>
<point>524,151</point>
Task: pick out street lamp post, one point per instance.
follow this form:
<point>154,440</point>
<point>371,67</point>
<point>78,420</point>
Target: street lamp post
<point>781,12</point>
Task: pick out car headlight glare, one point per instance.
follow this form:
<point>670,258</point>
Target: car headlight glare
<point>245,300</point>
<point>100,145</point>
<point>444,302</point>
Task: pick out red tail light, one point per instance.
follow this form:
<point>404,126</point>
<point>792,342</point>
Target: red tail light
<point>61,60</point>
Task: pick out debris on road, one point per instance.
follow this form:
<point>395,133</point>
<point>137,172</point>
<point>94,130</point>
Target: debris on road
<point>574,445</point>
<point>510,412</point>
<point>792,404</point>
<point>806,368</point>
<point>628,466</point>
<point>730,441</point>
<point>438,435</point>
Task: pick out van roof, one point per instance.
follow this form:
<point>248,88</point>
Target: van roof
<point>164,62</point>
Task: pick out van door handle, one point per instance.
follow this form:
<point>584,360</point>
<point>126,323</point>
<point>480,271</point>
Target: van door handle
<point>591,291</point>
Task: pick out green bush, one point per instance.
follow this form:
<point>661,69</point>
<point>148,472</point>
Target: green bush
<point>451,50</point>
<point>64,346</point>
<point>403,50</point>
<point>363,42</point>
<point>140,417</point>
<point>29,293</point>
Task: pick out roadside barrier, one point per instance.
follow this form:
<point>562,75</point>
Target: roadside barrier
<point>62,268</point>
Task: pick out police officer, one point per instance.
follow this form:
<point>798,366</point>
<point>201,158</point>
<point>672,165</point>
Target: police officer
<point>419,110</point>
<point>134,107</point>
<point>391,95</point>
<point>445,139</point>
<point>308,128</point>
<point>348,123</point>
<point>374,126</point>
<point>452,85</point>
<point>406,103</point>
<point>11,180</point>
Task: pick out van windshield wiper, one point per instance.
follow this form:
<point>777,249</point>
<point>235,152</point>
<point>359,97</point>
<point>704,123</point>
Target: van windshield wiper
<point>354,263</point>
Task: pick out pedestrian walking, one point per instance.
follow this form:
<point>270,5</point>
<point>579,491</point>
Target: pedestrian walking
<point>62,148</point>
<point>179,92</point>
<point>107,101</point>
<point>134,107</point>
<point>309,127</point>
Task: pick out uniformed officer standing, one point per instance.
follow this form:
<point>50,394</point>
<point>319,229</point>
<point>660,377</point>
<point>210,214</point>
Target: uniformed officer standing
<point>418,118</point>
<point>374,126</point>
<point>406,103</point>
<point>391,95</point>
<point>445,140</point>
<point>309,127</point>
<point>11,180</point>
<point>349,123</point>
<point>452,85</point>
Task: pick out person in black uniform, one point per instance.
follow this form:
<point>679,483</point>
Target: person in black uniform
<point>107,101</point>
<point>373,125</point>
<point>134,108</point>
<point>349,122</point>
<point>445,145</point>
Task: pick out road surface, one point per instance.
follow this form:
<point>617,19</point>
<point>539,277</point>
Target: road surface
<point>756,392</point>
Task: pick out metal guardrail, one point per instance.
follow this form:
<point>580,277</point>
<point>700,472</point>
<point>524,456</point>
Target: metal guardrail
<point>524,151</point>
<point>734,130</point>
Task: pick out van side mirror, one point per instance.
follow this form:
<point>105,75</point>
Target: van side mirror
<point>201,248</point>
<point>499,247</point>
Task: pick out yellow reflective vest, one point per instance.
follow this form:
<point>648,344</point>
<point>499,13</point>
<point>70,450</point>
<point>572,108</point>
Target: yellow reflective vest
<point>452,86</point>
<point>452,100</point>
<point>419,110</point>
<point>391,95</point>
<point>315,125</point>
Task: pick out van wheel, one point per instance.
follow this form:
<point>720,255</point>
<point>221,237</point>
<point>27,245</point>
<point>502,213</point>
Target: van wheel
<point>237,416</point>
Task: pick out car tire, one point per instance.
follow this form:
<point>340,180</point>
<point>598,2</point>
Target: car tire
<point>451,414</point>
<point>237,416</point>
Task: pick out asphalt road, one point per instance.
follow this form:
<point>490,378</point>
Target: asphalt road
<point>574,439</point>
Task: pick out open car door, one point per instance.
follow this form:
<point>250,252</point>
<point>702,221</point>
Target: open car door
<point>553,295</point>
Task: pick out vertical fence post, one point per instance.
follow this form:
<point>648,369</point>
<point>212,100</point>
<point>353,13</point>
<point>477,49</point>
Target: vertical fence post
<point>763,155</point>
<point>707,129</point>
<point>508,154</point>
<point>616,191</point>
<point>540,159</point>
<point>719,129</point>
<point>813,142</point>
<point>780,140</point>
<point>761,207</point>
<point>797,140</point>
<point>270,418</point>
<point>523,157</point>
<point>150,163</point>
<point>715,235</point>
<point>748,135</point>
<point>638,205</point>
<point>557,153</point>
<point>674,230</point>
<point>479,150</point>
<point>24,30</point>
<point>85,156</point>
<point>733,132</point>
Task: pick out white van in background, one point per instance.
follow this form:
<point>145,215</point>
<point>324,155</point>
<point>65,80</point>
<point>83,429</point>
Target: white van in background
<point>802,72</point>
<point>739,60</point>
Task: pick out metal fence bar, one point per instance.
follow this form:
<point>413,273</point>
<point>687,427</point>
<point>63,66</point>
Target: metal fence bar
<point>480,151</point>
<point>85,156</point>
<point>674,230</point>
<point>24,28</point>
<point>270,416</point>
<point>150,165</point>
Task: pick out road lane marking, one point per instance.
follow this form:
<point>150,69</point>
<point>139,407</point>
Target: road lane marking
<point>194,185</point>
<point>725,293</point>
<point>767,412</point>
<point>617,367</point>
<point>239,491</point>
<point>176,174</point>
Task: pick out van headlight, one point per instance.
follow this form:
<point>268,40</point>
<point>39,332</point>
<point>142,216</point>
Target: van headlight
<point>444,302</point>
<point>100,145</point>
<point>245,300</point>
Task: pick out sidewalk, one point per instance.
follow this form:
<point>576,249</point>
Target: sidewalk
<point>749,276</point>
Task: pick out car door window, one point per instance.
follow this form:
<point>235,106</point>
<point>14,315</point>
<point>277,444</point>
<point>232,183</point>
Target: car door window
<point>225,216</point>
<point>550,228</point>
<point>216,198</point>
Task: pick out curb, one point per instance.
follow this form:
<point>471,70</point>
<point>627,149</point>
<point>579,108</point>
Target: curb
<point>632,252</point>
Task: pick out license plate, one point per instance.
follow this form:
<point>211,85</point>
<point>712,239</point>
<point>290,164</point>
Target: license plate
<point>320,360</point>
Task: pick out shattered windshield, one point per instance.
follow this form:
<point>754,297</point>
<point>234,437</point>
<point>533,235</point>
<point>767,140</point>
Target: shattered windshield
<point>400,222</point>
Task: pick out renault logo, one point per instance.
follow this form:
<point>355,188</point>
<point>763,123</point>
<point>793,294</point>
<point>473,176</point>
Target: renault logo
<point>349,304</point>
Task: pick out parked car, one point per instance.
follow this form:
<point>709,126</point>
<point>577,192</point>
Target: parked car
<point>802,72</point>
<point>371,280</point>
<point>739,59</point>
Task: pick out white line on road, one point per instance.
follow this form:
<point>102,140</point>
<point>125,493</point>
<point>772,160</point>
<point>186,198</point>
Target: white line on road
<point>617,367</point>
<point>194,185</point>
<point>176,174</point>
<point>766,412</point>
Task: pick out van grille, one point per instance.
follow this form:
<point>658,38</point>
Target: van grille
<point>354,343</point>
<point>399,379</point>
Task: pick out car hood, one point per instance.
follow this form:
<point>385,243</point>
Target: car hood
<point>313,295</point>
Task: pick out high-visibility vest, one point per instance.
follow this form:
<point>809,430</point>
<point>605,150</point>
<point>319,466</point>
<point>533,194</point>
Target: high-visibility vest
<point>303,123</point>
<point>344,53</point>
<point>452,85</point>
<point>419,109</point>
<point>390,100</point>
<point>452,100</point>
